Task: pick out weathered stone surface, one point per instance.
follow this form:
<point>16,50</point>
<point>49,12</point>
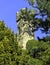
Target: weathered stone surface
<point>24,31</point>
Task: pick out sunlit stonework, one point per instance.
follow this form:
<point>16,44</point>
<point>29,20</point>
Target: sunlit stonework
<point>24,31</point>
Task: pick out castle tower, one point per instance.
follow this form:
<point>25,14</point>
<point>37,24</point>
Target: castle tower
<point>24,31</point>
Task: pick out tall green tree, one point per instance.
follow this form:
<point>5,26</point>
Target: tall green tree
<point>43,7</point>
<point>39,51</point>
<point>9,49</point>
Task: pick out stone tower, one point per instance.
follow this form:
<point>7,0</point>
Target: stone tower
<point>24,29</point>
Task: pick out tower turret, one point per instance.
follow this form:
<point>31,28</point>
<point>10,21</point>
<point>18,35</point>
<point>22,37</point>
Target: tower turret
<point>24,27</point>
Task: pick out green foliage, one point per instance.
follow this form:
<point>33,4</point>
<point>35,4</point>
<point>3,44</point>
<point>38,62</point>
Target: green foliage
<point>2,25</point>
<point>43,7</point>
<point>12,54</point>
<point>47,38</point>
<point>9,48</point>
<point>31,2</point>
<point>39,50</point>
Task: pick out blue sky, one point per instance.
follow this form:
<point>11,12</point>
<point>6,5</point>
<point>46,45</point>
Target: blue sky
<point>8,9</point>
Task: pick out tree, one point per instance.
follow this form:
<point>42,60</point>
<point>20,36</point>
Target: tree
<point>9,49</point>
<point>45,39</point>
<point>12,54</point>
<point>43,7</point>
<point>39,50</point>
